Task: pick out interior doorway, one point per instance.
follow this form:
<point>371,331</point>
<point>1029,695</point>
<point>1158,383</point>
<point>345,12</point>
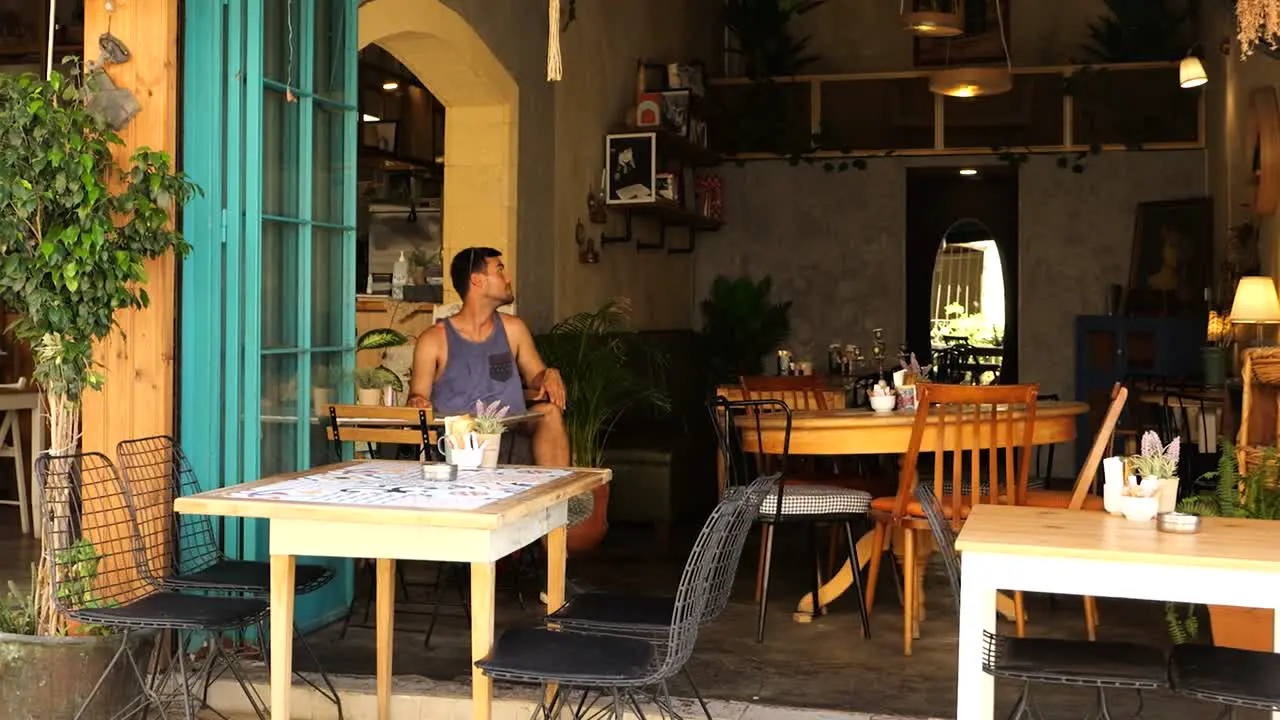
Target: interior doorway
<point>957,225</point>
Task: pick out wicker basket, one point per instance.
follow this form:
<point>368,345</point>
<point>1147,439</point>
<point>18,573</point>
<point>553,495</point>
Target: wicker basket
<point>1260,409</point>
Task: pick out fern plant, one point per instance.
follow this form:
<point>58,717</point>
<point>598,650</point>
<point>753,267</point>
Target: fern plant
<point>1254,495</point>
<point>607,371</point>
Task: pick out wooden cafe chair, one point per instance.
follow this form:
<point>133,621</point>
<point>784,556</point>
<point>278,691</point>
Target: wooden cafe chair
<point>799,392</point>
<point>371,424</point>
<point>966,420</point>
<point>1079,497</point>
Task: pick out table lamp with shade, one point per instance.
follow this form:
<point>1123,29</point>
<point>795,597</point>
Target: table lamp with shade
<point>1257,304</point>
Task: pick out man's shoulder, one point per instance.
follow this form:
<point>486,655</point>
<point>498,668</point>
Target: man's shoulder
<point>511,322</point>
<point>433,335</point>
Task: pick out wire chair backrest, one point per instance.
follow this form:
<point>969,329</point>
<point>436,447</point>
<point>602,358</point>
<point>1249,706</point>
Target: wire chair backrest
<point>158,472</point>
<point>692,594</point>
<point>944,536</point>
<point>724,567</point>
<point>90,535</point>
<point>732,418</point>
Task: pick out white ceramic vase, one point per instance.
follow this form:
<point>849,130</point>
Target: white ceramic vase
<point>368,396</point>
<point>492,444</point>
<point>1168,494</point>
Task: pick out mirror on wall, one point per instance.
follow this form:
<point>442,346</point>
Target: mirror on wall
<point>967,306</point>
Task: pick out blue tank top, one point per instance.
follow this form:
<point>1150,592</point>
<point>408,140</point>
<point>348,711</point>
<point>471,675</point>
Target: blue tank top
<point>484,371</point>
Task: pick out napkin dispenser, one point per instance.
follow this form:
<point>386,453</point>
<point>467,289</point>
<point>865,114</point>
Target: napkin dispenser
<point>1112,483</point>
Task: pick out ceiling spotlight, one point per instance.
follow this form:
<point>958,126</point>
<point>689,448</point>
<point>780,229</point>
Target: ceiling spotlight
<point>968,171</point>
<point>390,85</point>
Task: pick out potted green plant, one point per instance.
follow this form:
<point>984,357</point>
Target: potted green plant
<point>371,382</point>
<point>741,324</point>
<point>1157,464</point>
<point>77,227</point>
<point>488,425</point>
<point>1255,494</point>
<point>607,371</point>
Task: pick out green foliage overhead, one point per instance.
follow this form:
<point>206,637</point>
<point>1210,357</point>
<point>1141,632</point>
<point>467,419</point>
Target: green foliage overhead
<point>1139,31</point>
<point>764,39</point>
<point>75,226</point>
<point>741,324</point>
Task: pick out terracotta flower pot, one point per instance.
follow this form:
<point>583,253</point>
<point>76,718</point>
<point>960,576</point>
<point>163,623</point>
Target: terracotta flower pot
<point>1241,628</point>
<point>589,533</point>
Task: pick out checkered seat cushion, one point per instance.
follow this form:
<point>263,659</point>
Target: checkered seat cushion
<point>807,499</point>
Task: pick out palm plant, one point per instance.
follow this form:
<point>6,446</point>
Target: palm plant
<point>607,371</point>
<point>741,324</point>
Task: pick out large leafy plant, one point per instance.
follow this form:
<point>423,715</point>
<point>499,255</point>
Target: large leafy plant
<point>1255,494</point>
<point>76,229</point>
<point>741,324</point>
<point>607,371</point>
<point>764,38</point>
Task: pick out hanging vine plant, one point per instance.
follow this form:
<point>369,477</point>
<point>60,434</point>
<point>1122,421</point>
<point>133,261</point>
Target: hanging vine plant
<point>1257,23</point>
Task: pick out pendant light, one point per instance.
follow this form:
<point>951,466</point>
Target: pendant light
<point>969,82</point>
<point>935,23</point>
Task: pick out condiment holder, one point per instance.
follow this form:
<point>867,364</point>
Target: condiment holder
<point>1179,523</point>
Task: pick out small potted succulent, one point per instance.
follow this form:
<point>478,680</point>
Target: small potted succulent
<point>1157,464</point>
<point>488,426</point>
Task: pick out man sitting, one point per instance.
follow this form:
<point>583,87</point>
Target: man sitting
<point>481,354</point>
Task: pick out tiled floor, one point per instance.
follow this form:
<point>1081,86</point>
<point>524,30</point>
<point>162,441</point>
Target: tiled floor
<point>825,664</point>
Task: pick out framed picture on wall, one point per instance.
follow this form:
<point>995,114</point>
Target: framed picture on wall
<point>631,161</point>
<point>1172,255</point>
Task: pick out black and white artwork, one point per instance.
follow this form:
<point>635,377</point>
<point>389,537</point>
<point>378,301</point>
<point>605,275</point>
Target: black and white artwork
<point>631,168</point>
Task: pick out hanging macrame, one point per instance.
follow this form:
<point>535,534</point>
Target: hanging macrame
<point>1257,21</point>
<point>554,70</point>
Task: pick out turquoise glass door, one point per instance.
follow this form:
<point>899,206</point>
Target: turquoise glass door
<point>268,301</point>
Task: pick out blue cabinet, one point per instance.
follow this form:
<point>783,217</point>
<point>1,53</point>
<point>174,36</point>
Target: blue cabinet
<point>1111,349</point>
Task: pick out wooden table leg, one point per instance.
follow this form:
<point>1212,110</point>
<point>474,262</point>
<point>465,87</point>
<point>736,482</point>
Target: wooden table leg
<point>385,591</point>
<point>557,557</point>
<point>482,592</point>
<point>282,581</point>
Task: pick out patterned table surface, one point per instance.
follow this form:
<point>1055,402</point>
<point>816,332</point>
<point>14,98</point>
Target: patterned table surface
<point>398,492</point>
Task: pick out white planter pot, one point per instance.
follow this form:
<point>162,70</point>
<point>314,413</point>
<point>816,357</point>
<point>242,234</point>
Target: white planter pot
<point>494,444</point>
<point>368,396</point>
<point>321,399</point>
<point>1168,494</point>
<point>1140,509</point>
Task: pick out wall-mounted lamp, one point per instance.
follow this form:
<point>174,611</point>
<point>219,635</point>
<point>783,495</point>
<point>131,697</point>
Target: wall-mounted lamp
<point>587,254</point>
<point>1191,72</point>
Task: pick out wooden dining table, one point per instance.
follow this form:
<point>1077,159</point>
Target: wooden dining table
<point>1068,552</point>
<point>389,510</point>
<point>859,431</point>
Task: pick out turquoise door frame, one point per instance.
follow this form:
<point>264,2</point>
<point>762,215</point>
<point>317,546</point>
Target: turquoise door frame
<point>268,291</point>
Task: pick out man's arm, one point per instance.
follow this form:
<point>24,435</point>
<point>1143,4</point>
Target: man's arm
<point>426,359</point>
<point>535,373</point>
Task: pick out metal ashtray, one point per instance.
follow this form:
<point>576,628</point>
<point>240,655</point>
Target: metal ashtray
<point>1176,522</point>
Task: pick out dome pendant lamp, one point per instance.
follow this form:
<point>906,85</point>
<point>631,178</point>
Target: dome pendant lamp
<point>969,82</point>
<point>937,19</point>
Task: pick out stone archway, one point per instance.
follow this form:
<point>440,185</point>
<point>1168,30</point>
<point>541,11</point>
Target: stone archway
<point>481,119</point>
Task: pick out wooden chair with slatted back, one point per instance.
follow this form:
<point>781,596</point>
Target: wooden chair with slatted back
<point>1079,497</point>
<point>799,392</point>
<point>377,424</point>
<point>977,424</point>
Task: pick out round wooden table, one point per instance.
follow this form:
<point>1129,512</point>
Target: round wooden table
<point>863,432</point>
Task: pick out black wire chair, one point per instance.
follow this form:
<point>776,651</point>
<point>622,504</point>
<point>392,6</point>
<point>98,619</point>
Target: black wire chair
<point>648,617</point>
<point>1233,678</point>
<point>1101,665</point>
<point>100,575</point>
<point>182,550</point>
<point>613,666</point>
<point>803,503</point>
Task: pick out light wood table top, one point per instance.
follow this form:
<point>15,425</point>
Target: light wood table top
<point>1051,532</point>
<point>862,431</point>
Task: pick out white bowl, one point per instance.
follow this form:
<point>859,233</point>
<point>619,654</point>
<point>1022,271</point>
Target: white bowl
<point>1140,509</point>
<point>883,403</point>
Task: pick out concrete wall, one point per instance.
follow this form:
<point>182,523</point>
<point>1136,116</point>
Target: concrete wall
<point>834,244</point>
<point>600,52</point>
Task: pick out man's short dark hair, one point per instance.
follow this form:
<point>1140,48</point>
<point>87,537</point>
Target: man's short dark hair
<point>467,262</point>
